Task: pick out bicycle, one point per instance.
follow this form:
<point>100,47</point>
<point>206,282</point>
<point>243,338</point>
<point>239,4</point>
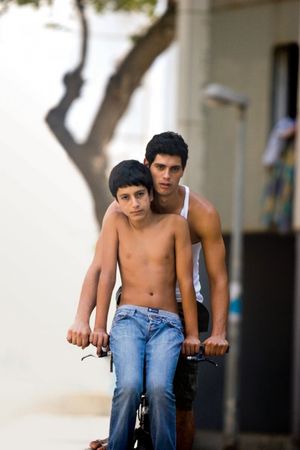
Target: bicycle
<point>142,436</point>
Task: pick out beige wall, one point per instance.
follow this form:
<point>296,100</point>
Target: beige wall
<point>241,41</point>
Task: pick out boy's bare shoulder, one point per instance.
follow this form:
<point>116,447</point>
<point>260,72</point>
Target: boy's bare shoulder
<point>200,206</point>
<point>113,207</point>
<point>174,220</point>
<point>114,217</point>
<point>203,216</point>
<point>198,203</point>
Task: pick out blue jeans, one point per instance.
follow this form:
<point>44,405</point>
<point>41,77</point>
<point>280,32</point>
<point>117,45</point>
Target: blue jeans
<point>151,338</point>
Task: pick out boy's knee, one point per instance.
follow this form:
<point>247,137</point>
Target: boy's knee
<point>158,391</point>
<point>129,390</point>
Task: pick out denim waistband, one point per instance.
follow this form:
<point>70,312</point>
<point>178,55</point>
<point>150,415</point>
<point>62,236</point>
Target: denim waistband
<point>149,310</point>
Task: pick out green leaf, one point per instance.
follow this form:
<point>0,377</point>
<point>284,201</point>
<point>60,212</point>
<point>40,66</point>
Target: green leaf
<point>145,6</point>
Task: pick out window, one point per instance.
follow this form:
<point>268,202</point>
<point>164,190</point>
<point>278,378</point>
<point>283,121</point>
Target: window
<point>285,80</point>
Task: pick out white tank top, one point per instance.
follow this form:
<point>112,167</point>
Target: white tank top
<point>196,253</point>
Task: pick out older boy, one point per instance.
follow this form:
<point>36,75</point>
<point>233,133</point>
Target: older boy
<point>152,251</point>
<point>166,155</point>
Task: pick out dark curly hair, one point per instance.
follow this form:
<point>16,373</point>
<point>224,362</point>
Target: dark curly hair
<point>167,143</point>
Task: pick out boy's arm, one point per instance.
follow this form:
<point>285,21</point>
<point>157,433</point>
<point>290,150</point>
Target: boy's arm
<point>184,273</point>
<point>207,225</point>
<point>79,332</point>
<point>109,254</point>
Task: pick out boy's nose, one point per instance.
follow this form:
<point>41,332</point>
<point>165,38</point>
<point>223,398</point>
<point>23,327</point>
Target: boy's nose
<point>135,202</point>
<point>167,173</point>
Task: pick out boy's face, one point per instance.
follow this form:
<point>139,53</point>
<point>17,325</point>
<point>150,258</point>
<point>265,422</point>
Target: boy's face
<point>134,201</point>
<point>166,171</point>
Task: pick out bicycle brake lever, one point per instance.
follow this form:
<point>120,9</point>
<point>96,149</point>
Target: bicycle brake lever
<point>201,358</point>
<point>87,356</point>
<point>211,361</point>
<point>102,355</point>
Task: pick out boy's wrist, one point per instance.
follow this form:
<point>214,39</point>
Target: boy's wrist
<point>98,329</point>
<point>192,336</point>
<point>83,316</point>
<point>192,333</point>
<point>220,332</point>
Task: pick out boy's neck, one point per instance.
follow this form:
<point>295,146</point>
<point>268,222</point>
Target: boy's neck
<point>143,223</point>
<point>169,203</point>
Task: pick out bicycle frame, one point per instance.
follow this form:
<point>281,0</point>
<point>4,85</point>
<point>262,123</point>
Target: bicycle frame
<point>142,436</point>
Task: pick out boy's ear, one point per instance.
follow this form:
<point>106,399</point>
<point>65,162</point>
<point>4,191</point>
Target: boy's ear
<point>151,196</point>
<point>146,162</point>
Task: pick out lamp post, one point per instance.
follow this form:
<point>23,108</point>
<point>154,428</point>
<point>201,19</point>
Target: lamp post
<point>218,95</point>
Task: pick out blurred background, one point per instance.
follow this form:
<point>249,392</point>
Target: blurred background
<point>85,84</point>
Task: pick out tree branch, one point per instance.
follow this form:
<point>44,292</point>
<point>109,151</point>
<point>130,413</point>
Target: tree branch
<point>90,156</point>
<point>129,74</point>
<point>73,83</point>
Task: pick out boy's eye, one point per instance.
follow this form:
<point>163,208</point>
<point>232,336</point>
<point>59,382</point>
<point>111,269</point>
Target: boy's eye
<point>175,169</point>
<point>124,197</point>
<point>160,167</point>
<point>140,194</point>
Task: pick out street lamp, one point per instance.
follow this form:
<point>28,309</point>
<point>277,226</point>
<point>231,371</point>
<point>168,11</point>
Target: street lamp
<point>218,95</point>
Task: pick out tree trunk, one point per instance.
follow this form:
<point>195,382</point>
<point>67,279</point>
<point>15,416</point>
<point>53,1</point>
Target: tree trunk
<point>90,156</point>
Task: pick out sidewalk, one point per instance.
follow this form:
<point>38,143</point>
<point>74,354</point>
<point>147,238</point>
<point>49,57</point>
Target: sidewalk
<point>52,432</point>
<point>212,440</point>
<point>73,432</point>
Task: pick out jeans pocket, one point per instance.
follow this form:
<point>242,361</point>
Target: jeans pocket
<point>121,315</point>
<point>123,325</point>
<point>175,324</point>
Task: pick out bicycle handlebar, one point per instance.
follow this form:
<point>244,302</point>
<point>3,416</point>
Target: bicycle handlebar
<point>199,357</point>
<point>101,355</point>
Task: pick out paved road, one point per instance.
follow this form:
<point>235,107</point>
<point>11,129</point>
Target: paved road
<point>51,432</point>
<point>65,432</point>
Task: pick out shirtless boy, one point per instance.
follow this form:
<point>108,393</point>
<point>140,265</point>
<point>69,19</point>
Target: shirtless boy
<point>152,251</point>
<point>166,156</point>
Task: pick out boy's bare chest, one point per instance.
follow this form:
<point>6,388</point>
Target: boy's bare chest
<point>151,245</point>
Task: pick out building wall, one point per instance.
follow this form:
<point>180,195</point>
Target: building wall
<point>265,364</point>
<point>242,39</point>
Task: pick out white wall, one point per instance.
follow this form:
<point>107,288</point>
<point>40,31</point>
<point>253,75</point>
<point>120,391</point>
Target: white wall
<point>48,231</point>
